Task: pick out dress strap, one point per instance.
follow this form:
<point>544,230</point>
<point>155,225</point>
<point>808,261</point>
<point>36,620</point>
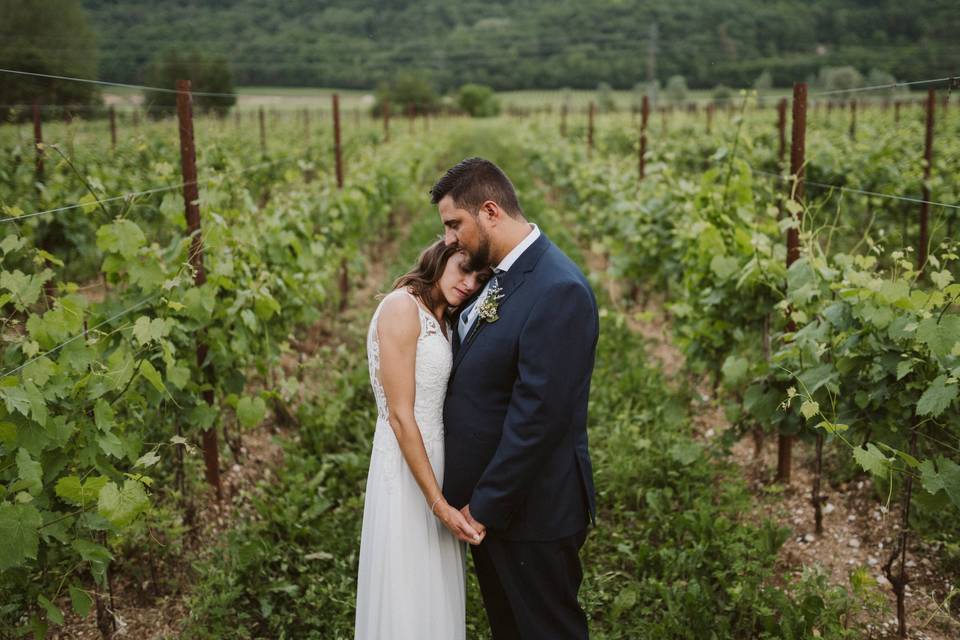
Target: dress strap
<point>428,321</point>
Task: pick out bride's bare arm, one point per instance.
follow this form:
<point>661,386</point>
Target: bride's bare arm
<point>398,327</point>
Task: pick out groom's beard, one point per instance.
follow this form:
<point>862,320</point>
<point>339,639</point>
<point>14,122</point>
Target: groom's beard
<point>480,259</point>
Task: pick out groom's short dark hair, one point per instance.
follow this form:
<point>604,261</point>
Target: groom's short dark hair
<point>472,182</point>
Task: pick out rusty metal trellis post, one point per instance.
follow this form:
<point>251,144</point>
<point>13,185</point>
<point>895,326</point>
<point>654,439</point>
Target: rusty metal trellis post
<point>590,129</point>
<point>644,118</point>
<point>38,141</point>
<point>927,164</point>
<point>191,195</point>
<point>797,157</point>
<point>113,128</point>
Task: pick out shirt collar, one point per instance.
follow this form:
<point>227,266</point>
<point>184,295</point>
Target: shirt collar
<point>524,244</point>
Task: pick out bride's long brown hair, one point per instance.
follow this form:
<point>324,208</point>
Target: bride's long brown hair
<point>426,272</point>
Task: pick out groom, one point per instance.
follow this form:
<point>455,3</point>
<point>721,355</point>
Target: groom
<point>515,414</point>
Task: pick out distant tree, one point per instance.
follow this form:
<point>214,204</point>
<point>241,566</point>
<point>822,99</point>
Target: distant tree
<point>676,88</point>
<point>408,90</point>
<point>839,78</point>
<point>764,82</point>
<point>206,75</point>
<point>650,89</point>
<point>605,101</point>
<point>878,78</point>
<point>722,94</point>
<point>478,100</point>
<point>35,37</point>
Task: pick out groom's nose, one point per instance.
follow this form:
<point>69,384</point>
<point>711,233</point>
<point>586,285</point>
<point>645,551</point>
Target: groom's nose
<point>449,237</point>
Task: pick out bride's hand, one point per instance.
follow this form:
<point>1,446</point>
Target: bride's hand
<point>453,520</point>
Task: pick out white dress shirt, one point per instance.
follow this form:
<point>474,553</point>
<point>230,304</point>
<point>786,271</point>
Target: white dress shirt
<point>469,314</point>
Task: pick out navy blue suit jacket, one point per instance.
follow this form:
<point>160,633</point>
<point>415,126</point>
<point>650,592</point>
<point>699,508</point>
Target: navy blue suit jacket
<point>515,413</point>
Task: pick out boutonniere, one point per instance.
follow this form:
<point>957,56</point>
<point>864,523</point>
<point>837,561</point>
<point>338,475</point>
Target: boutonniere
<point>488,309</point>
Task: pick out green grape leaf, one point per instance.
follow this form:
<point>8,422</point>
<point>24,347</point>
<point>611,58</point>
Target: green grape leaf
<point>735,370</point>
<point>178,375</point>
<point>685,452</point>
<point>199,303</point>
<point>265,306</point>
<point>892,291</point>
<point>80,494</point>
<point>723,266</point>
<point>147,460</point>
<point>8,433</point>
<point>872,460</point>
<point>937,397</point>
<point>152,375</point>
<point>111,444</point>
<point>103,415</point>
<point>809,408</point>
<point>947,479</point>
<point>251,411</point>
<point>30,472</point>
<point>147,330</point>
<point>18,530</point>
<point>81,601</point>
<point>941,278</point>
<point>122,506</point>
<point>942,336</point>
<point>123,237</point>
<point>88,203</point>
<point>54,614</point>
<point>904,367</point>
<point>39,371</point>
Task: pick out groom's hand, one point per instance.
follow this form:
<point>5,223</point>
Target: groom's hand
<point>481,529</point>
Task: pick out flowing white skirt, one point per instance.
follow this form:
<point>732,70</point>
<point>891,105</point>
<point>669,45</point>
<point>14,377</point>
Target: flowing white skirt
<point>411,582</point>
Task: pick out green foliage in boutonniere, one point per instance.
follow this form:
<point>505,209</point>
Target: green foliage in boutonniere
<point>491,304</point>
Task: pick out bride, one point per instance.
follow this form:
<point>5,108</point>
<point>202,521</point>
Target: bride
<point>411,581</point>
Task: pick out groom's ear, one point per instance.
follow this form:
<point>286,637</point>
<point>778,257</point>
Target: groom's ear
<point>492,212</point>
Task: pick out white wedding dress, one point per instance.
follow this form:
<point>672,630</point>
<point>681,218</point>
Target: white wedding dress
<point>411,582</point>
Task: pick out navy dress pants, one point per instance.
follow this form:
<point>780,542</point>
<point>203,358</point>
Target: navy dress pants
<point>530,589</point>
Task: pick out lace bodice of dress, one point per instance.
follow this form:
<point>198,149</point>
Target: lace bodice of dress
<point>434,361</point>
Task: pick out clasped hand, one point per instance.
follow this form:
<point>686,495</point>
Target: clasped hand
<point>461,524</point>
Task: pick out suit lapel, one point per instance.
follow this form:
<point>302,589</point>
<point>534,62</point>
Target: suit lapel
<point>509,283</point>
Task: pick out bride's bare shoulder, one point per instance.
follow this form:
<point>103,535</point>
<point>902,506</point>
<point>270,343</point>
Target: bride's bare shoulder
<point>398,316</point>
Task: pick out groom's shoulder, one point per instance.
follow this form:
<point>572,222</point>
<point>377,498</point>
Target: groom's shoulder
<point>559,275</point>
<point>558,267</point>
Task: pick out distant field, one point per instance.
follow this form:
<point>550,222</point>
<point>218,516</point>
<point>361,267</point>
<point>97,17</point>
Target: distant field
<point>300,97</point>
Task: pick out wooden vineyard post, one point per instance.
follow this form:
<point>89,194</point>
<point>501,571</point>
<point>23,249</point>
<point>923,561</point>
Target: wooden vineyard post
<point>590,129</point>
<point>927,162</point>
<point>113,127</point>
<point>896,111</point>
<point>191,195</point>
<point>411,116</point>
<point>782,130</point>
<point>38,141</point>
<point>644,118</point>
<point>563,120</point>
<point>709,111</point>
<point>236,117</point>
<point>386,120</point>
<point>263,134</point>
<point>797,157</point>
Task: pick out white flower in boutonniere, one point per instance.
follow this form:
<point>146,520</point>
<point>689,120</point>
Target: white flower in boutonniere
<point>487,311</point>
